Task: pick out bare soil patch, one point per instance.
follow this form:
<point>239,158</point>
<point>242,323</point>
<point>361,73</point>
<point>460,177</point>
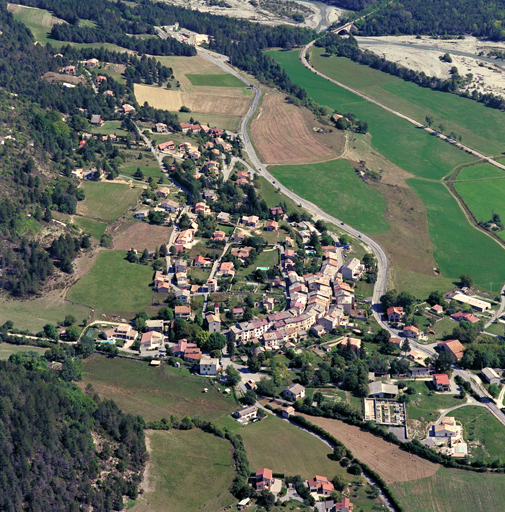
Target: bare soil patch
<point>284,134</point>
<point>140,236</point>
<point>391,463</point>
<point>58,77</point>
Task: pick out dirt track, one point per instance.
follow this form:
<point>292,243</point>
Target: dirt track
<point>391,463</point>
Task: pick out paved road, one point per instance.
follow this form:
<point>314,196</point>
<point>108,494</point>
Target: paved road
<point>498,313</point>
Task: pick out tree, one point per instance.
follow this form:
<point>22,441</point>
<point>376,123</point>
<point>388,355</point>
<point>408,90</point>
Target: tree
<point>86,346</point>
<point>72,370</point>
<point>355,469</point>
<point>435,298</point>
<point>69,320</point>
<point>145,257</point>
<point>494,390</point>
<point>85,242</point>
<point>444,362</point>
<point>344,240</point>
<point>429,121</point>
<point>50,331</point>
<point>339,481</point>
<point>266,387</point>
<point>165,313</point>
<point>253,364</point>
<point>466,280</point>
<point>233,376</point>
<point>217,341</point>
<point>163,250</point>
<point>249,397</point>
<point>73,333</point>
<point>230,347</point>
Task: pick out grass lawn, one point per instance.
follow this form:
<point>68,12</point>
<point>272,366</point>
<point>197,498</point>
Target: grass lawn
<point>339,191</point>
<point>496,328</point>
<point>419,285</point>
<point>199,273</point>
<point>452,490</point>
<point>154,393</point>
<point>107,201</point>
<point>90,227</point>
<point>481,127</point>
<point>480,171</point>
<point>190,470</point>
<point>442,328</point>
<point>227,229</point>
<point>113,284</point>
<point>398,140</point>
<point>39,21</point>
<point>480,426</point>
<point>6,350</point>
<point>109,127</point>
<point>265,259</point>
<point>457,246</point>
<point>218,80</point>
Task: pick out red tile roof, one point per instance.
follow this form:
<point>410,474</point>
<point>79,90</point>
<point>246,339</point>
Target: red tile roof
<point>441,379</point>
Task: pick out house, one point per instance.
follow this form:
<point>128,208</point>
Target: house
<point>379,389</point>
<point>181,347</point>
<point>161,128</point>
<point>247,413</point>
<point>185,237</point>
<point>438,309</point>
<point>202,208</point>
<point>155,325</point>
<point>420,372</point>
<point>318,330</point>
<point>242,253</point>
<point>169,145</point>
<point>454,347</point>
<point>264,479</point>
<point>69,70</point>
<point>193,355</point>
<point>170,206</point>
<point>108,93</point>
<point>141,214</point>
<point>343,506</point>
<point>354,342</point>
<point>468,317</point>
<point>288,411</point>
<point>185,127</point>
<point>151,340</point>
<point>289,254</point>
<point>213,321</point>
<point>182,312</point>
<point>195,155</point>
<point>238,311</point>
<point>441,382</point>
<point>91,63</point>
<point>394,314</point>
<point>209,366</point>
<point>272,226</point>
<point>219,236</point>
<point>268,304</point>
<point>212,285</point>
<point>321,485</point>
<point>128,109</point>
<point>122,332</point>
<point>182,281</point>
<point>96,119</point>
<point>277,210</point>
<point>398,342</point>
<point>180,265</point>
<point>294,392</point>
<point>227,269</point>
<point>223,217</point>
<point>163,192</point>
<point>252,221</point>
<point>201,262</point>
<point>209,195</point>
<point>183,296</point>
<point>352,269</point>
<point>446,428</point>
<point>491,376</point>
<point>410,331</point>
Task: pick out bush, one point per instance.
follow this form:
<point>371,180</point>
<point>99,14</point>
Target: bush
<point>355,469</point>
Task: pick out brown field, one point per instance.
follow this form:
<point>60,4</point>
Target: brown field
<point>234,102</point>
<point>282,134</point>
<point>140,235</point>
<point>391,463</point>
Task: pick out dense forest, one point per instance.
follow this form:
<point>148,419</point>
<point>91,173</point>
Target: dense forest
<point>49,459</point>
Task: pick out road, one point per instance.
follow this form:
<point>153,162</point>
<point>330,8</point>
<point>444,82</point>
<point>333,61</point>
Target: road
<point>498,313</point>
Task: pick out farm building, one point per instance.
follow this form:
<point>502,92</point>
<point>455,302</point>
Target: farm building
<point>491,376</point>
<point>478,304</point>
<point>381,390</point>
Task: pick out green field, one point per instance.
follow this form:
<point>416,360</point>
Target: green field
<point>223,121</point>
<point>109,127</point>
<point>155,393</point>
<point>90,227</point>
<point>107,201</point>
<point>339,191</point>
<point>6,350</point>
<point>39,21</point>
<point>419,285</point>
<point>189,470</point>
<point>457,246</point>
<point>148,170</point>
<point>480,127</point>
<point>480,426</point>
<point>265,259</point>
<point>480,171</point>
<point>218,80</point>
<point>452,490</point>
<point>113,284</point>
<point>398,140</point>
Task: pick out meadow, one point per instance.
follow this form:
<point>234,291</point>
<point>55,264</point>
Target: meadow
<point>452,490</point>
<point>223,121</point>
<point>412,149</point>
<point>6,350</point>
<point>108,128</point>
<point>190,470</point>
<point>114,284</point>
<point>107,201</point>
<point>481,127</point>
<point>480,171</point>
<point>90,227</point>
<point>39,21</point>
<point>154,393</point>
<point>218,80</point>
<point>339,191</point>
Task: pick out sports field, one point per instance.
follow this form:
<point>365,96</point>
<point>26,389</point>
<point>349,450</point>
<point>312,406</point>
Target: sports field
<point>90,227</point>
<point>218,80</point>
<point>457,246</point>
<point>410,148</point>
<point>107,201</point>
<point>480,171</point>
<point>480,127</point>
<point>452,490</point>
<point>188,470</point>
<point>113,284</point>
<point>338,190</point>
<point>154,393</point>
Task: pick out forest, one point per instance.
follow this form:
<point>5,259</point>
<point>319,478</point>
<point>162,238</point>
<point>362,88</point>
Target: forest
<point>49,458</point>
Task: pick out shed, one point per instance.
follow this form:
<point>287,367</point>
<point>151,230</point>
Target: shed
<point>491,376</point>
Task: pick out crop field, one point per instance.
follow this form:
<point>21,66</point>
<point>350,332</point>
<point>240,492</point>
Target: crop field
<point>107,201</point>
<point>113,284</point>
<point>6,350</point>
<point>338,190</point>
<point>410,148</point>
<point>223,121</point>
<point>480,171</point>
<point>283,135</point>
<point>140,235</point>
<point>39,21</point>
<point>391,463</point>
<point>188,470</point>
<point>90,227</point>
<point>218,80</point>
<point>479,126</point>
<point>452,490</point>
<point>154,393</point>
<point>457,246</point>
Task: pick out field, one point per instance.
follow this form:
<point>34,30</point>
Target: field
<point>452,490</point>
<point>108,128</point>
<point>107,201</point>
<point>479,126</point>
<point>480,171</point>
<point>391,463</point>
<point>189,470</point>
<point>90,227</point>
<point>457,246</point>
<point>39,21</point>
<point>140,235</point>
<point>6,350</point>
<point>265,259</point>
<point>113,284</point>
<point>482,431</point>
<point>219,80</point>
<point>223,121</point>
<point>412,149</point>
<point>283,134</point>
<point>339,191</point>
<point>154,393</point>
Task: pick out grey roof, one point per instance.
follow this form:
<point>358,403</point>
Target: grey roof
<point>380,387</point>
<point>295,388</point>
<point>489,373</point>
<point>245,411</point>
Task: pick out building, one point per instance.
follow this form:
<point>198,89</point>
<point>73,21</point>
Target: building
<point>468,317</point>
<point>247,413</point>
<point>170,206</point>
<point>155,325</point>
<point>128,109</point>
<point>169,145</point>
<point>223,217</point>
<point>343,506</point>
<point>395,314</point>
<point>352,269</point>
<point>192,355</point>
<point>183,296</point>
<point>446,428</point>
<point>185,237</point>
<point>410,331</point>
<point>96,119</point>
<point>294,392</point>
<point>183,312</point>
<point>163,192</point>
<point>227,269</point>
<point>272,226</point>
<point>441,382</point>
<point>277,210</point>
<point>122,332</point>
<point>181,347</point>
<point>151,340</point>
<point>479,305</point>
<point>438,309</point>
<point>454,347</point>
<point>264,479</point>
<point>245,503</point>
<point>491,376</point>
<point>202,208</point>
<point>288,411</point>
<point>379,389</point>
<point>91,63</point>
<point>161,128</point>
<point>141,214</point>
<point>251,221</point>
<point>180,265</point>
<point>321,485</point>
<point>219,236</point>
<point>209,366</point>
<point>213,321</point>
<point>201,262</point>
